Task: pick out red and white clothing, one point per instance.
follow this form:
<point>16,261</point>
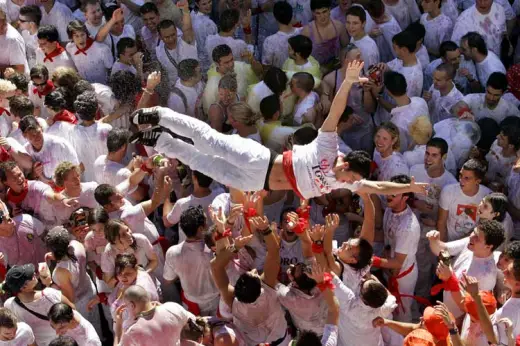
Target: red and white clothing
<point>190,262</point>
<point>403,116</point>
<point>60,16</point>
<point>440,106</point>
<point>170,59</point>
<point>93,62</point>
<point>479,108</point>
<point>33,200</point>
<point>62,128</point>
<point>55,150</point>
<point>483,269</point>
<point>38,98</point>
<point>164,326</point>
<point>462,209</point>
<point>511,310</point>
<point>438,30</point>
<point>58,58</point>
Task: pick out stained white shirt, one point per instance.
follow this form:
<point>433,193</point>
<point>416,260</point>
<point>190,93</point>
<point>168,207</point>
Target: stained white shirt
<point>93,66</point>
<point>31,44</point>
<point>440,106</point>
<point>111,40</point>
<point>412,74</point>
<point>11,10</point>
<point>438,30</point>
<point>62,60</point>
<point>384,41</point>
<point>478,106</point>
<point>403,116</point>
<point>390,166</point>
<point>486,67</point>
<point>369,50</point>
<point>151,40</point>
<point>182,51</point>
<point>460,81</point>
<point>404,11</point>
<point>276,48</point>
<point>192,95</point>
<point>203,27</point>
<point>60,16</point>
<point>511,310</point>
<point>237,46</point>
<point>13,49</point>
<point>37,101</point>
<point>499,167</point>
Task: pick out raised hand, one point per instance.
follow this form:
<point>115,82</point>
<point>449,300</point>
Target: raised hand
<point>218,218</point>
<point>443,311</point>
<point>153,80</point>
<point>118,15</point>
<point>234,213</point>
<point>331,222</point>
<point>469,284</point>
<point>433,235</point>
<point>70,202</point>
<point>316,273</point>
<point>259,223</point>
<point>317,232</point>
<point>443,271</point>
<point>378,322</point>
<point>352,73</point>
<point>242,241</point>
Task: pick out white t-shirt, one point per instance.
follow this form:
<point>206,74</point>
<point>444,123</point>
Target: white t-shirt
<point>276,48</point>
<point>423,57</point>
<point>31,44</point>
<point>462,209</point>
<point>134,216</point>
<point>84,333</point>
<point>484,269</point>
<point>183,51</point>
<point>11,10</point>
<point>60,16</point>
<point>237,46</point>
<point>499,167</point>
<point>290,253</point>
<point>369,50</point>
<point>440,106</point>
<point>54,151</point>
<point>13,48</point>
<point>94,64</point>
<point>384,41</point>
<point>304,106</point>
<point>390,166</point>
<point>486,67</point>
<point>192,94</point>
<point>110,172</point>
<point>61,60</point>
<point>438,30</point>
<point>402,233</point>
<point>182,204</point>
<point>119,66</point>
<point>491,26</point>
<point>511,310</point>
<point>203,27</point>
<point>313,163</point>
<point>412,74</point>
<point>403,116</point>
<point>142,253</point>
<point>405,12</point>
<point>24,336</point>
<point>479,108</point>
<point>111,40</point>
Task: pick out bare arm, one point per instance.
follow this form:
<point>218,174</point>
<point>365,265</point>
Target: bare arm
<point>369,224</point>
<point>105,29</point>
<point>395,263</point>
<point>436,245</point>
<point>63,278</point>
<point>401,328</point>
<point>163,186</point>
<point>442,224</point>
<point>188,35</point>
<point>389,188</point>
<point>218,269</point>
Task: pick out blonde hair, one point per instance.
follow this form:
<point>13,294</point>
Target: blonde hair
<point>421,130</point>
<point>6,86</point>
<point>65,77</point>
<point>243,113</point>
<point>393,130</point>
<point>61,171</point>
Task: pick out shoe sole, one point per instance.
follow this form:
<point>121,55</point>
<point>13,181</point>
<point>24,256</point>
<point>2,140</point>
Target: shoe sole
<point>135,137</point>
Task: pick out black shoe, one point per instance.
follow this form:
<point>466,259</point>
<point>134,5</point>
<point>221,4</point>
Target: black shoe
<point>146,116</point>
<point>147,137</point>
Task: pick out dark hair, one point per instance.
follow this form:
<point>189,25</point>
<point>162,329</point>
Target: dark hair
<point>55,100</point>
<point>346,114</point>
<point>86,106</point>
<point>373,293</point>
<point>376,8</point>
<point>269,106</point>
<point>117,138</point>
<point>21,81</point>
<point>39,71</point>
<point>493,232</point>
<point>220,51</point>
<point>403,179</point>
<point>21,106</point>
<point>248,288</point>
<point>359,161</point>
<point>147,8</point>
<point>7,318</point>
<point>109,11</point>
<point>319,4</point>
<point>283,12</point>
<point>304,135</point>
<point>123,44</point>
<point>417,30</point>
<point>439,143</point>
<point>498,81</point>
<point>33,13</point>
<point>303,281</point>
<point>447,46</point>
<point>475,40</point>
<point>63,340</point>
<point>28,123</point>
<point>102,194</point>
<point>276,80</point>
<point>112,228</point>
<point>508,128</point>
<point>165,24</point>
<point>98,215</point>
<point>304,81</point>
<point>58,242</point>
<point>301,45</point>
<point>187,68</point>
<point>49,33</point>
<point>512,250</point>
<point>125,85</point>
<point>307,337</point>
<point>60,313</point>
<point>357,11</point>
<point>228,19</point>
<point>476,167</point>
<point>405,39</point>
<point>124,261</point>
<point>499,204</point>
<point>76,25</point>
<point>395,83</point>
<point>208,236</point>
<point>194,329</point>
<point>448,69</point>
<point>203,180</point>
<point>81,86</point>
<point>84,3</point>
<point>489,130</point>
<point>366,251</point>
<point>6,166</point>
<point>191,220</point>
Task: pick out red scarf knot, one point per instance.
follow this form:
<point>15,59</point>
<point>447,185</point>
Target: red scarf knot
<point>49,57</point>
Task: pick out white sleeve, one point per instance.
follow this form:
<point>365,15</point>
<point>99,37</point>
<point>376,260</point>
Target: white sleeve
<point>174,216</point>
<point>343,293</point>
<point>330,335</point>
<point>16,146</point>
<point>267,54</point>
<point>457,246</point>
<point>169,265</point>
<point>17,53</point>
<point>445,198</point>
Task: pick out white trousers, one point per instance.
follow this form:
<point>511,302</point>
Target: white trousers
<point>229,159</point>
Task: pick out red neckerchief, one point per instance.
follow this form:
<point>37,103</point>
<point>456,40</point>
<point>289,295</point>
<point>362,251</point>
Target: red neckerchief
<point>66,116</point>
<point>59,49</point>
<point>87,46</point>
<point>4,155</point>
<point>3,110</point>
<point>46,90</point>
<point>18,198</point>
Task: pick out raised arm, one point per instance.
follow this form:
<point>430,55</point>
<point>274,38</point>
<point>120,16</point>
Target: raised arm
<point>401,328</point>
<point>369,219</point>
<point>163,186</point>
<point>218,269</point>
<point>105,29</point>
<point>188,35</point>
<point>436,245</point>
<point>340,100</point>
<point>272,258</point>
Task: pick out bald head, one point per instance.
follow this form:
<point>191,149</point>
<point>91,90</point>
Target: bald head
<point>137,294</point>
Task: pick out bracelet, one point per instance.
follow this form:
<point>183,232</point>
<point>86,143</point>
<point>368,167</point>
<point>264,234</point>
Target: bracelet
<point>376,262</point>
<point>317,247</point>
<point>146,169</point>
<point>266,232</point>
<point>225,234</point>
<point>146,91</point>
<point>247,31</point>
<point>327,283</point>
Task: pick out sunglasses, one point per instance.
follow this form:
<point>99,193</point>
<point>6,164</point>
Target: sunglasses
<point>40,84</point>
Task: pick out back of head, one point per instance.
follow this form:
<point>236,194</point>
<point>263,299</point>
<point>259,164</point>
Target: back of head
<point>438,143</point>
<point>376,8</point>
<point>136,294</point>
<point>188,69</point>
<point>219,52</point>
<point>304,135</point>
<point>60,313</point>
<point>63,340</point>
<point>229,19</point>
<point>373,293</point>
<point>405,39</point>
<point>417,30</point>
<point>448,69</point>
<point>191,220</point>
<point>301,45</point>
<point>248,288</point>
<point>228,82</point>
<point>512,250</point>
<point>319,4</point>
<point>20,106</point>
<point>447,46</point>
<point>489,130</point>
<point>498,81</point>
<point>55,100</point>
<point>283,12</point>
<point>420,337</point>
<point>125,85</point>
<point>86,106</point>
<point>359,161</point>
<point>49,33</point>
<point>242,113</point>
<point>203,180</point>
<point>276,80</point>
<point>21,81</point>
<point>509,128</point>
<point>307,338</point>
<point>475,40</point>
<point>304,81</point>
<point>269,106</point>
<point>395,83</point>
<point>81,86</point>
<point>421,129</point>
<point>494,233</point>
<point>117,139</point>
<point>57,241</point>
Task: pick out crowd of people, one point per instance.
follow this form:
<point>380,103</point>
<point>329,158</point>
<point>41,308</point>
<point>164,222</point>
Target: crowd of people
<point>253,173</point>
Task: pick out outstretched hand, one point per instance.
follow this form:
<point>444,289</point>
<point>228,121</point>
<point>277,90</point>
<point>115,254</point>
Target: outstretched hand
<point>421,188</point>
<point>353,70</point>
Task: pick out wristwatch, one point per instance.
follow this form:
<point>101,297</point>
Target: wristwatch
<point>318,242</point>
<point>454,331</point>
<point>234,249</point>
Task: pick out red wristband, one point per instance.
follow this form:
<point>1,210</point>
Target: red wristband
<point>376,262</point>
<point>146,169</point>
<point>225,234</point>
<point>103,299</point>
<point>300,226</point>
<point>327,283</point>
<point>452,284</point>
<point>247,31</point>
<point>304,213</point>
<point>316,248</point>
